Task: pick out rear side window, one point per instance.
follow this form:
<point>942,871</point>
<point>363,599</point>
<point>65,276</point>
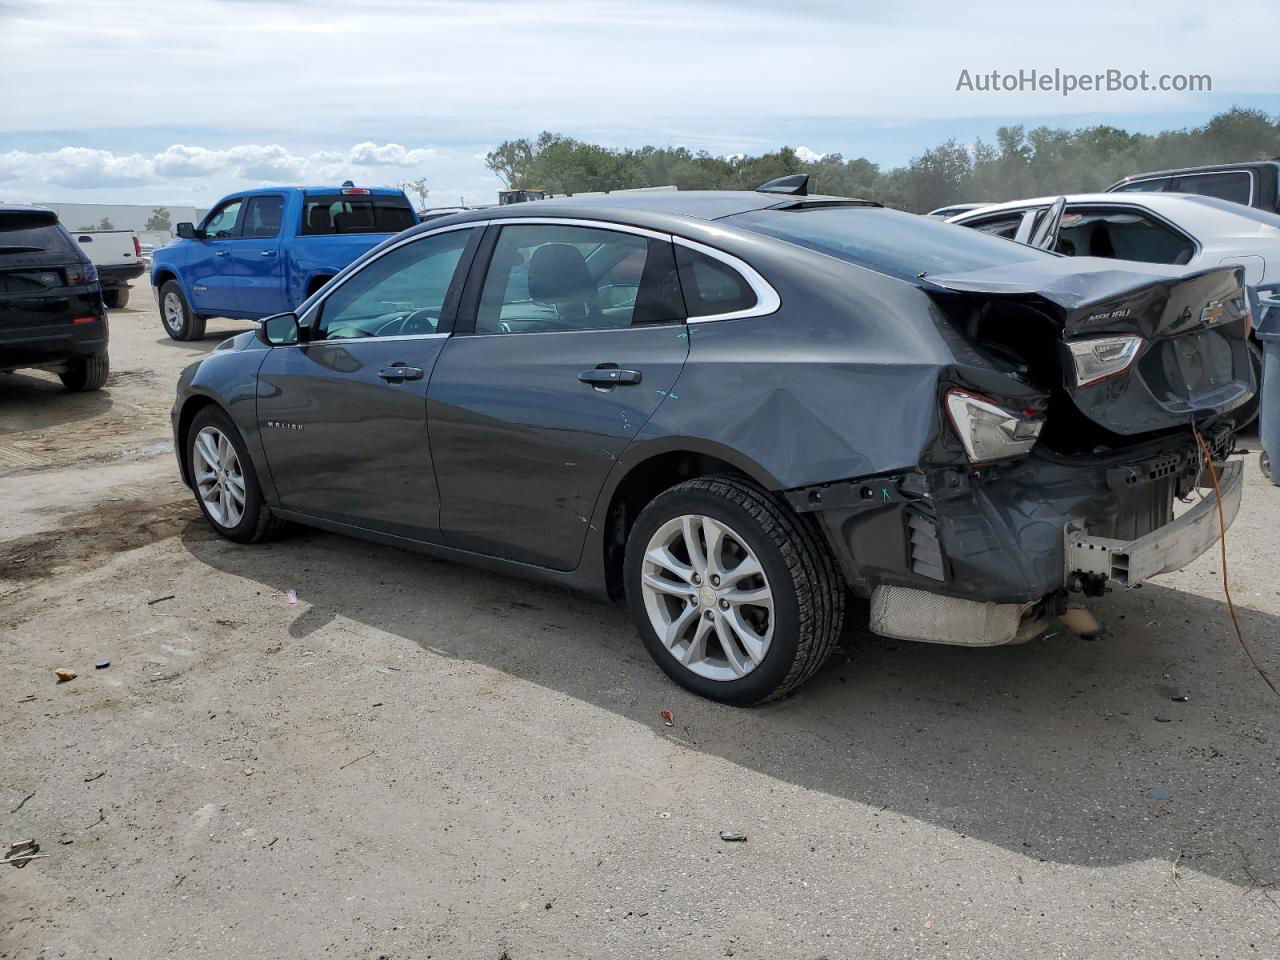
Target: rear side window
<point>1006,225</point>
<point>710,286</point>
<point>262,216</point>
<point>34,231</point>
<point>899,244</point>
<point>546,278</point>
<point>333,214</point>
<point>1233,185</point>
<point>1121,235</point>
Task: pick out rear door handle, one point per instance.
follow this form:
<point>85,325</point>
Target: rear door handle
<point>609,376</point>
<point>399,373</point>
<point>266,253</point>
<point>222,253</point>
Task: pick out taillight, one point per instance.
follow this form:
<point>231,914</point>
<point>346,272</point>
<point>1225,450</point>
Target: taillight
<point>82,275</point>
<point>1096,360</point>
<point>137,247</point>
<point>989,431</point>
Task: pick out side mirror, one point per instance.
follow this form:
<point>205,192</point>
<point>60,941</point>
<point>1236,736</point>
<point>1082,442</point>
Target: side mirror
<point>280,330</point>
<point>186,230</point>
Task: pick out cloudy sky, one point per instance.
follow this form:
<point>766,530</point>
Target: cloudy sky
<point>180,102</point>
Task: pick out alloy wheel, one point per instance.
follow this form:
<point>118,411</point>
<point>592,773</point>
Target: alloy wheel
<point>219,477</point>
<point>173,312</point>
<point>707,597</point>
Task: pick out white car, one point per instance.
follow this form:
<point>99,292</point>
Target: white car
<point>1178,228</point>
<point>1153,227</point>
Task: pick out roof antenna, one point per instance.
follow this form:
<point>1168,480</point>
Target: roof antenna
<point>347,183</point>
<point>796,185</point>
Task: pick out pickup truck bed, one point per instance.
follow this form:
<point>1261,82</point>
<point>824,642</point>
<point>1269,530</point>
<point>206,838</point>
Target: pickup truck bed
<point>118,258</point>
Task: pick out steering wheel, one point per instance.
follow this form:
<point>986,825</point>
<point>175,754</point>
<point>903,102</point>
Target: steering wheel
<point>408,324</point>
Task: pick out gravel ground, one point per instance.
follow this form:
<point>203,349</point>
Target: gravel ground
<point>420,760</point>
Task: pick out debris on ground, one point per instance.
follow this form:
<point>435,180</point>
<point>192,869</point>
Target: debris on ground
<point>668,719</point>
<point>19,854</point>
<point>1182,698</point>
<point>292,596</point>
<point>23,802</point>
<point>96,776</point>
<point>152,603</point>
<point>64,675</point>
<point>728,837</point>
<point>102,664</point>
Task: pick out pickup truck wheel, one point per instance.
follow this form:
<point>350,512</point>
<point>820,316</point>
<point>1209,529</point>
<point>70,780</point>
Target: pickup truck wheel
<point>734,596</point>
<point>86,373</point>
<point>116,298</point>
<point>175,313</point>
<point>224,480</point>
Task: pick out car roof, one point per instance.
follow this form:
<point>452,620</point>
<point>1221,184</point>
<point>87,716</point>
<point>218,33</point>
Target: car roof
<point>1206,168</point>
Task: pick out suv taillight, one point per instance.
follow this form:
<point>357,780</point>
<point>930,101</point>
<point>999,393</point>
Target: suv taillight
<point>137,247</point>
<point>82,275</point>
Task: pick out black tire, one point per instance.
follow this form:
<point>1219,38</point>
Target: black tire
<point>86,373</point>
<point>809,592</point>
<point>116,298</point>
<point>187,325</point>
<point>257,522</point>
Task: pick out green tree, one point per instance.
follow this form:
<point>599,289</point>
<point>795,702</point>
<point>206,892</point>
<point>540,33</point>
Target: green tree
<point>105,224</point>
<point>159,220</point>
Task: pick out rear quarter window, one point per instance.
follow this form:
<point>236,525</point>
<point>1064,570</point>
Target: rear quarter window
<point>898,244</point>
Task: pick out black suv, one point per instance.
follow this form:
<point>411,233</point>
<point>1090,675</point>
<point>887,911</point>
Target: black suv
<point>51,310</point>
<point>1254,184</point>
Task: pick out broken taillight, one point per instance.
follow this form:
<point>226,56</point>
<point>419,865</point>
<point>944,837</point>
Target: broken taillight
<point>989,431</point>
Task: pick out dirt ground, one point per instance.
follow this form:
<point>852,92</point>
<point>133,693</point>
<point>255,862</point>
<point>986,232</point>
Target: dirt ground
<point>420,760</point>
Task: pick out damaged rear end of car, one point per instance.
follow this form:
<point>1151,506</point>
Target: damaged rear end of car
<point>1066,449</point>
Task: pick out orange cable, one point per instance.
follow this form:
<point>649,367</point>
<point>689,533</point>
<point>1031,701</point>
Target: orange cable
<point>1226,589</point>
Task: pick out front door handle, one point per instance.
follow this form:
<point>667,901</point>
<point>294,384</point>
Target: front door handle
<point>609,376</point>
<point>222,253</point>
<point>399,373</point>
<point>266,253</point>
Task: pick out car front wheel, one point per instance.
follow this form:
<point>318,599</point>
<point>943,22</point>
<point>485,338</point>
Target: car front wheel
<point>224,479</point>
<point>734,596</point>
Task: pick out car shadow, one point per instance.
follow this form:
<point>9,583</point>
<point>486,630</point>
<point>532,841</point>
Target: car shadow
<point>198,348</point>
<point>1061,750</point>
<point>31,400</point>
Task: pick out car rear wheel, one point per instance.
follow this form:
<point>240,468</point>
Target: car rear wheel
<point>116,298</point>
<point>179,322</point>
<point>734,596</point>
<point>86,373</point>
<point>224,479</point>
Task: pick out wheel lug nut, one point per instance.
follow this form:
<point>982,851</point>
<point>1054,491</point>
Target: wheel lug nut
<point>724,604</point>
<point>697,579</point>
<point>707,615</point>
<point>715,581</point>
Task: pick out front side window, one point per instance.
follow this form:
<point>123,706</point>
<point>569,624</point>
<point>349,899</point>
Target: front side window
<point>898,244</point>
<point>1120,234</point>
<point>550,277</point>
<point>1005,225</point>
<point>402,293</point>
<point>262,216</point>
<point>222,222</point>
<point>1236,185</point>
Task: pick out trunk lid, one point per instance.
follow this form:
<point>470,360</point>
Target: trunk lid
<point>1192,362</point>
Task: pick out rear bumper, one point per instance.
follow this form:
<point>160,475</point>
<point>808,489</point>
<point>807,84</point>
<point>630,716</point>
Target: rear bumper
<point>998,542</point>
<point>48,346</point>
<point>120,275</point>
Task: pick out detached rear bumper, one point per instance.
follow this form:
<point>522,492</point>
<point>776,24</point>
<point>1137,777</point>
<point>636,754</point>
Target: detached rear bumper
<point>967,556</point>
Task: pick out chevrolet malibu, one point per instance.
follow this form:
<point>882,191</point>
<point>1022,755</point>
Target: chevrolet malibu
<point>730,410</point>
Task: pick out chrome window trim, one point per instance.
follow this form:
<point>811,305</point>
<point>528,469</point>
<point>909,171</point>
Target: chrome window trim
<point>767,299</point>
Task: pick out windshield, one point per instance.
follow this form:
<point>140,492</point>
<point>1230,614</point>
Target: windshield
<point>900,244</point>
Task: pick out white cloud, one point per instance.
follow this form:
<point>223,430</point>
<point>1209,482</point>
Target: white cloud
<point>809,156</point>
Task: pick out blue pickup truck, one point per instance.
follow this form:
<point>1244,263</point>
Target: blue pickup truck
<point>261,252</point>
